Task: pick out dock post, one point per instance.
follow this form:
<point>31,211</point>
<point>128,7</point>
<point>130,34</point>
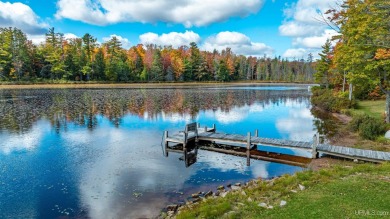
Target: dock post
<point>198,125</point>
<point>256,133</point>
<point>248,147</point>
<point>166,143</point>
<point>214,128</point>
<point>205,128</point>
<point>314,153</point>
<point>185,140</point>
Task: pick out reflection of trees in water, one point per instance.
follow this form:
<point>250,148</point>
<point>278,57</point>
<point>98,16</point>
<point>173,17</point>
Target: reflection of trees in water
<point>324,122</point>
<point>19,109</point>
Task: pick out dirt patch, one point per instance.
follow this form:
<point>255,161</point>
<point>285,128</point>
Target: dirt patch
<point>325,162</point>
<point>342,117</point>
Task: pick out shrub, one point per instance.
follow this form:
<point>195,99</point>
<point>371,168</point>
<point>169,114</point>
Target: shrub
<point>372,128</point>
<point>357,120</point>
<point>368,127</point>
<point>326,100</point>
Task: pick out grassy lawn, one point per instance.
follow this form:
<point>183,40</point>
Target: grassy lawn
<point>374,108</point>
<point>342,191</point>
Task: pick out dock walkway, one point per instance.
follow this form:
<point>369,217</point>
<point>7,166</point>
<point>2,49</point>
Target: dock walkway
<point>193,132</point>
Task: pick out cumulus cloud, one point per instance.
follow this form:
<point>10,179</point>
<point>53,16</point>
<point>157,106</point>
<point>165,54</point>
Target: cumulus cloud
<point>70,36</point>
<point>295,53</point>
<point>189,12</point>
<point>124,41</point>
<point>295,29</point>
<point>315,41</point>
<point>21,16</point>
<point>238,42</point>
<point>303,25</point>
<point>174,39</point>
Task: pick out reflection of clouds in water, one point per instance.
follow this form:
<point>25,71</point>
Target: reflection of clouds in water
<point>225,163</point>
<point>124,167</point>
<point>176,117</point>
<point>235,114</point>
<point>297,125</point>
<point>27,141</point>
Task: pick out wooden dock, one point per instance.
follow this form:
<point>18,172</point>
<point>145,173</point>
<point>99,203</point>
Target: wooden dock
<point>194,133</point>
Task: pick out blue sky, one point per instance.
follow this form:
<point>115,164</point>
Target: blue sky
<point>250,27</point>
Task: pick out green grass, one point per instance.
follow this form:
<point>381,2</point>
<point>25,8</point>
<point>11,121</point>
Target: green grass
<point>375,108</point>
<point>338,192</point>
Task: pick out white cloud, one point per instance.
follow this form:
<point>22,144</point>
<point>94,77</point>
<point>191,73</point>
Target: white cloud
<point>21,16</point>
<point>315,41</point>
<point>124,41</point>
<point>189,12</point>
<point>174,39</point>
<point>303,23</point>
<point>295,53</point>
<point>238,42</point>
<point>70,36</point>
<point>295,29</point>
<point>41,38</point>
<point>37,39</point>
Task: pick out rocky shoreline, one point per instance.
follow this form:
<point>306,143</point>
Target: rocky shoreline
<point>170,211</point>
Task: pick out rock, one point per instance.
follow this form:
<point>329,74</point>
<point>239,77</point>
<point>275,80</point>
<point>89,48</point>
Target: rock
<point>249,199</point>
<point>223,194</point>
<point>229,213</point>
<point>263,205</point>
<point>196,200</point>
<point>221,187</point>
<point>355,160</point>
<point>172,207</point>
<point>235,187</point>
<point>237,184</point>
<point>239,203</point>
<point>243,193</point>
<point>270,207</point>
<point>282,203</point>
<point>216,193</point>
<point>301,187</point>
<point>294,191</point>
<point>387,135</point>
<point>195,195</point>
<point>170,213</point>
<point>228,185</point>
<point>208,194</point>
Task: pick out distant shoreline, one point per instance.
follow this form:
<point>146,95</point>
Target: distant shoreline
<point>144,85</point>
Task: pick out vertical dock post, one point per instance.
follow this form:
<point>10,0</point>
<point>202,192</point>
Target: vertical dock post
<point>256,135</point>
<point>248,147</point>
<point>166,143</point>
<point>185,140</point>
<point>214,128</point>
<point>198,125</point>
<point>314,153</point>
<point>205,128</point>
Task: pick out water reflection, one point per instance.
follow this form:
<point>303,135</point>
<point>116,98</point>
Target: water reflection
<point>97,153</point>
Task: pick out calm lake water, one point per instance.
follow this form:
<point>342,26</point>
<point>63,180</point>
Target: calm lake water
<point>96,153</point>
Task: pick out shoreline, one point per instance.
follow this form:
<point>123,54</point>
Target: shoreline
<point>147,85</point>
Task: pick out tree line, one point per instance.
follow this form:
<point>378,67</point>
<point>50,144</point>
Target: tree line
<point>84,59</point>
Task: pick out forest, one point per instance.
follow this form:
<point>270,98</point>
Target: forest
<point>84,59</point>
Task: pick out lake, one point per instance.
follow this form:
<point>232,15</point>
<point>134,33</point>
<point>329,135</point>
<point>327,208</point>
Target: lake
<point>97,153</point>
